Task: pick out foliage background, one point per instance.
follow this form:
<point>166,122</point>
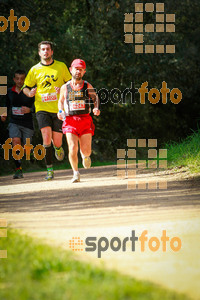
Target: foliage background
<point>94,31</point>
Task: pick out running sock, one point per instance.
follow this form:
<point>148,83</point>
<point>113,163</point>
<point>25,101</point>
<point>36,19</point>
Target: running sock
<point>83,156</point>
<point>49,168</point>
<point>17,162</point>
<point>49,155</point>
<point>57,148</point>
<point>76,172</point>
<point>20,168</point>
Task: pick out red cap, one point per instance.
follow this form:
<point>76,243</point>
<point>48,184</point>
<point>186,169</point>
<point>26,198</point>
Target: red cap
<point>78,63</point>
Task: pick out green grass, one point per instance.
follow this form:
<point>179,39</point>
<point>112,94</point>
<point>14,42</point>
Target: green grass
<point>35,271</point>
<point>186,153</point>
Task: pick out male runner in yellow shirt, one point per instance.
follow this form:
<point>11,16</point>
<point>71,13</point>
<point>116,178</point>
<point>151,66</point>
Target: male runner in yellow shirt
<point>44,81</point>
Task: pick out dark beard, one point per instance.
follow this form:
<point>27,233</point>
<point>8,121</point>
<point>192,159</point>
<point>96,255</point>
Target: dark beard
<point>48,58</point>
<point>77,77</point>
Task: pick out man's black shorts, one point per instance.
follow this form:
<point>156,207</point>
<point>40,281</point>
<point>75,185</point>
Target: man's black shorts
<point>45,119</point>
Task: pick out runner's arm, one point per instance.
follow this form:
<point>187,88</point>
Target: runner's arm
<point>95,99</point>
<point>29,92</point>
<point>61,100</point>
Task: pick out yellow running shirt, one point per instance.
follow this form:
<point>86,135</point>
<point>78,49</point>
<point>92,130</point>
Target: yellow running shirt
<point>46,78</point>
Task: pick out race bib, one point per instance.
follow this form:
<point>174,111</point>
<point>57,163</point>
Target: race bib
<point>17,111</point>
<point>48,97</point>
<point>77,105</point>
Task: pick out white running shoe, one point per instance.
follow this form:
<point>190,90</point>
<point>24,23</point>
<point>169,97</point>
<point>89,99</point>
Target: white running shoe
<point>86,162</point>
<point>76,178</point>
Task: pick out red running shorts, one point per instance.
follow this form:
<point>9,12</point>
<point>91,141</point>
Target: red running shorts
<point>78,125</point>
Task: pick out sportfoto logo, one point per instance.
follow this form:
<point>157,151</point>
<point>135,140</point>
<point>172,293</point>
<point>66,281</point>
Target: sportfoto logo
<point>116,244</point>
<point>3,234</point>
<point>23,22</point>
<point>18,150</point>
<point>3,88</point>
<point>154,95</point>
<point>134,33</point>
<point>128,163</point>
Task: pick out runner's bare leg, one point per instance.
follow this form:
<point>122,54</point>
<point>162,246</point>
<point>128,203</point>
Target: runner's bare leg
<point>85,142</point>
<point>46,135</point>
<point>72,141</point>
<point>57,139</point>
